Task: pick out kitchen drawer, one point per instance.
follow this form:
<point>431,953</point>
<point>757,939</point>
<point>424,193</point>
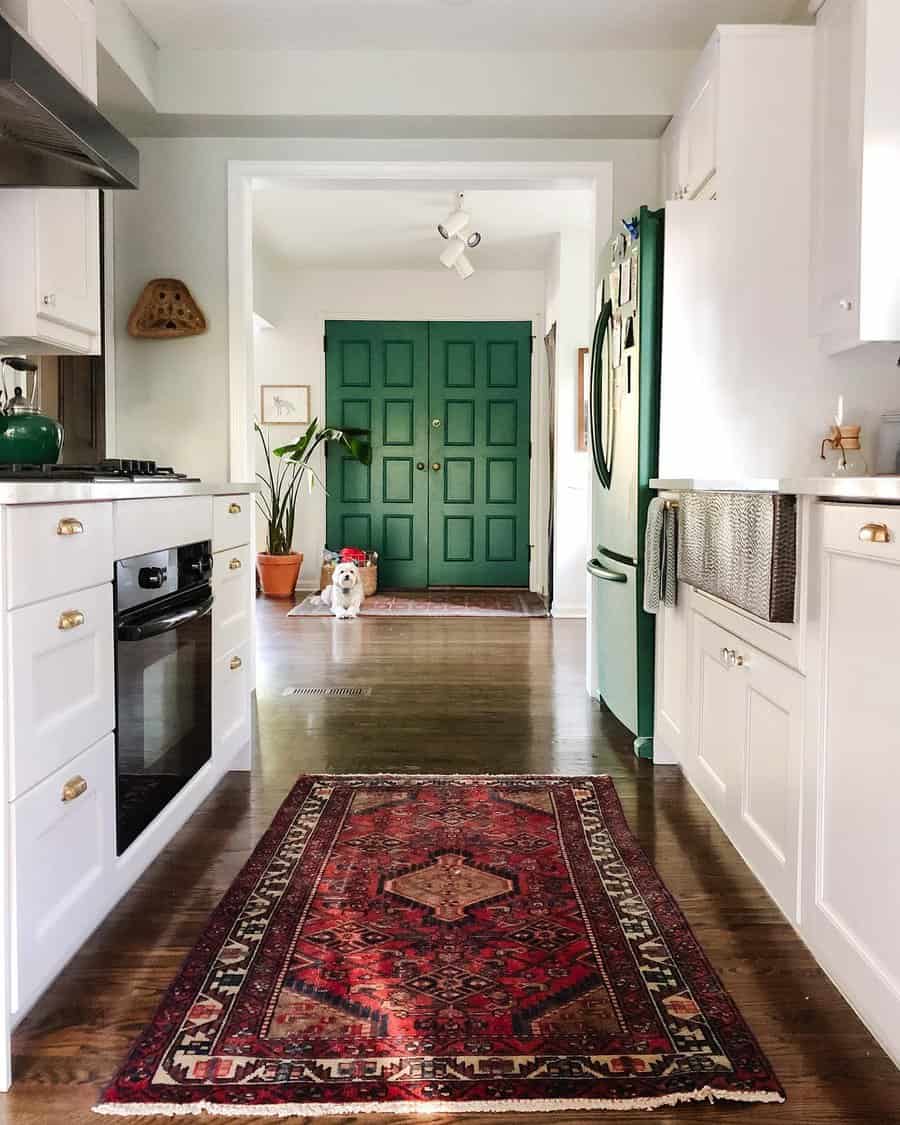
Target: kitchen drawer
<point>231,702</point>
<point>232,577</point>
<point>62,683</point>
<point>843,525</point>
<point>142,526</point>
<point>52,548</point>
<point>231,521</point>
<point>63,840</point>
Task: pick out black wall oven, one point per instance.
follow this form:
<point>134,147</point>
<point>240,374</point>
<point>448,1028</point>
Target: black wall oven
<point>163,680</point>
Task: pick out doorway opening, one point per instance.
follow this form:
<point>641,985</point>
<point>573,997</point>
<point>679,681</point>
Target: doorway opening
<point>312,244</point>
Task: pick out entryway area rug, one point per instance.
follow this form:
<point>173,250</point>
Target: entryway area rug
<point>444,944</point>
<point>438,603</point>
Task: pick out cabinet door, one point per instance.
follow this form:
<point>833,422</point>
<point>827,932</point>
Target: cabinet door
<point>837,172</point>
<point>67,232</point>
<point>767,827</point>
<point>66,32</point>
<point>231,703</point>
<point>232,576</point>
<point>700,132</point>
<point>63,854</point>
<point>717,729</point>
<point>852,866</point>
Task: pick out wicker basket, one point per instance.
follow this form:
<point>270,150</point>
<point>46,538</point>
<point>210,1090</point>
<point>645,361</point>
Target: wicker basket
<point>369,574</point>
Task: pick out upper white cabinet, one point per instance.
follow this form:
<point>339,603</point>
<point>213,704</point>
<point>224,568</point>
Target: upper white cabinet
<point>50,281</point>
<point>855,284</point>
<point>689,143</point>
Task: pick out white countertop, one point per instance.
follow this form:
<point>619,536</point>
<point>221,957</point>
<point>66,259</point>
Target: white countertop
<point>885,489</point>
<point>70,492</point>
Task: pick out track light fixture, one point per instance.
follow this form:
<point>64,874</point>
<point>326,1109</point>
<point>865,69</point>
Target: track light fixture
<point>453,229</point>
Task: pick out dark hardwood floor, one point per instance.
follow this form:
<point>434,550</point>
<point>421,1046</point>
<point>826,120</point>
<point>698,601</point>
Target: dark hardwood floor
<point>463,696</point>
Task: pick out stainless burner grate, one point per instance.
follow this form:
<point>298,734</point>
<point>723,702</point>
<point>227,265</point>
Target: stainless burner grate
<point>329,692</point>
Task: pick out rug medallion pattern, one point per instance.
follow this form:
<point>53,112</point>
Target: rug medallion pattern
<point>396,942</point>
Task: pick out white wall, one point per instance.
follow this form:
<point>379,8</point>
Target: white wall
<point>298,303</point>
<point>172,396</point>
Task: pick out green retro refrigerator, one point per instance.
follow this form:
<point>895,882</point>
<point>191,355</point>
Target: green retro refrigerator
<point>624,427</point>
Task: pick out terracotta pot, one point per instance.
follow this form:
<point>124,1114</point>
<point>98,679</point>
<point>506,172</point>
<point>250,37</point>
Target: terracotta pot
<point>278,574</point>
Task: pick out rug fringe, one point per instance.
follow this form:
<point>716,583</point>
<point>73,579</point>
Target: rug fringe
<point>521,1105</point>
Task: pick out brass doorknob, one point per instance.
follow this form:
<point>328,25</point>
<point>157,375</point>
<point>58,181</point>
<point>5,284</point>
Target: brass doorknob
<point>436,465</point>
<point>420,464</point>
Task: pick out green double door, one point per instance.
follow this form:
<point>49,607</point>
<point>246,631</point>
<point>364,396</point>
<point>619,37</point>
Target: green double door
<point>445,501</point>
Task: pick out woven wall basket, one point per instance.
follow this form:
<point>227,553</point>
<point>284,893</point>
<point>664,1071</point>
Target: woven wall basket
<point>166,310</point>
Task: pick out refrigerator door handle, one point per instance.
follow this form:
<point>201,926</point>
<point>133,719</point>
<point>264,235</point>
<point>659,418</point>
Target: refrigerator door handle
<point>601,465</point>
<point>598,570</point>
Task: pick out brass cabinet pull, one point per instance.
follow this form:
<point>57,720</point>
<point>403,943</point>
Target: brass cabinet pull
<point>235,663</point>
<point>234,509</point>
<point>74,788</point>
<point>874,533</point>
<point>436,465</point>
<point>235,564</point>
<point>71,619</point>
<point>70,527</point>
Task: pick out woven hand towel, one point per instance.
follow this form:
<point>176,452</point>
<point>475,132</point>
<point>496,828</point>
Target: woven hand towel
<point>660,556</point>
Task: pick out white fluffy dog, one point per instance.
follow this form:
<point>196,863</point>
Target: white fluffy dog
<point>345,594</point>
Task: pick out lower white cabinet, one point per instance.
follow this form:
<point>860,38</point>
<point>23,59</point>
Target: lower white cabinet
<point>231,702</point>
<point>62,681</point>
<point>745,752</point>
<point>851,891</point>
<point>232,578</point>
<point>63,840</point>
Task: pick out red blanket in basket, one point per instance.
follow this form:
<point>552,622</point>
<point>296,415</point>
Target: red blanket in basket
<point>353,554</point>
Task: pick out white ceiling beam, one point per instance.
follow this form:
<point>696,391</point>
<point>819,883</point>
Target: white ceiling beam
<point>126,42</point>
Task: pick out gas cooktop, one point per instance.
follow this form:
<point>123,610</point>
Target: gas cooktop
<point>111,469</point>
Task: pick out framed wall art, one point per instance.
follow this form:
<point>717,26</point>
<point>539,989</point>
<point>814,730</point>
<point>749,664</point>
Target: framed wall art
<point>284,405</point>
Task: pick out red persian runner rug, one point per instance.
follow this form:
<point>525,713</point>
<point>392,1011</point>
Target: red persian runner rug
<point>449,944</point>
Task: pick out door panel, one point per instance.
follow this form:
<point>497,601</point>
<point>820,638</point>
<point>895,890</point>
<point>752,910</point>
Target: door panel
<point>480,397</point>
<point>446,498</point>
<point>377,379</point>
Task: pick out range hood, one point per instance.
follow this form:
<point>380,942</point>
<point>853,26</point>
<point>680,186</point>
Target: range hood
<point>51,135</point>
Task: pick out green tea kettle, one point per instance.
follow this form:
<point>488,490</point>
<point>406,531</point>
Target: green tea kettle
<point>27,437</point>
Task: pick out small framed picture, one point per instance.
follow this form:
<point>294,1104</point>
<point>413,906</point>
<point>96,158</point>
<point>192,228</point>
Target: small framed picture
<point>584,387</point>
<point>284,406</point>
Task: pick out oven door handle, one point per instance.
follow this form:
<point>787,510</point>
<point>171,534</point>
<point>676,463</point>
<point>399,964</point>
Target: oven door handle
<point>155,626</point>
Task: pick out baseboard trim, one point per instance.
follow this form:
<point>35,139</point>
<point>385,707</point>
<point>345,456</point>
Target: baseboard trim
<point>570,611</point>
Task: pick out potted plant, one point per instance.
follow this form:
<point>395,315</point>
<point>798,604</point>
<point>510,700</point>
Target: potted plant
<point>279,565</point>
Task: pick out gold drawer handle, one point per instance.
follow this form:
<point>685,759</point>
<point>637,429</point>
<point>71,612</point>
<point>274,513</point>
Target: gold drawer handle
<point>70,527</point>
<point>234,509</point>
<point>235,564</point>
<point>235,663</point>
<point>874,533</point>
<point>71,619</point>
<point>74,788</point>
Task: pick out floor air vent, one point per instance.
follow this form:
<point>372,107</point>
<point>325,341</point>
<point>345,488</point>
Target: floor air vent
<point>329,692</point>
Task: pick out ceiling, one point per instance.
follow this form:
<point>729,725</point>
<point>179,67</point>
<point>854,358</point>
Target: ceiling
<point>315,228</point>
<point>447,25</point>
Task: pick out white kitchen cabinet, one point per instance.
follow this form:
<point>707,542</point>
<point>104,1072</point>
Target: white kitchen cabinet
<point>231,703</point>
<point>689,143</point>
<point>65,31</point>
<point>62,681</point>
<point>232,578</point>
<point>745,752</point>
<point>851,883</point>
<point>231,521</point>
<point>670,692</point>
<point>63,839</point>
<point>856,174</point>
<point>50,279</point>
